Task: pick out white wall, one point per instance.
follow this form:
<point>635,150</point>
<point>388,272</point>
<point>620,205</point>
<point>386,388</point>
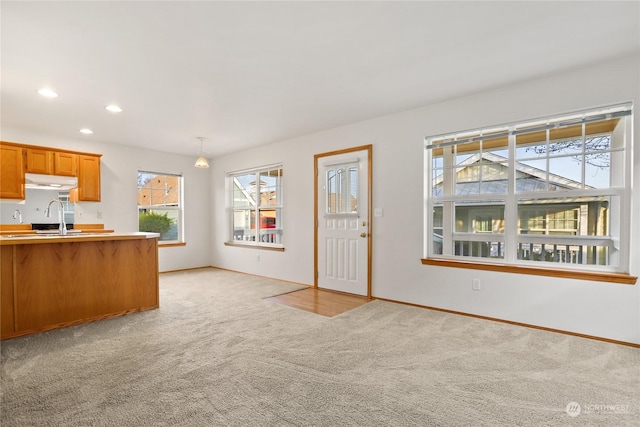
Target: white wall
<point>118,205</point>
<point>594,308</point>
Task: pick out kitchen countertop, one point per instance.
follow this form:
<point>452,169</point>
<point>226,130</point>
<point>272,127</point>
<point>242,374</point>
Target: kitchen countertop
<point>30,239</point>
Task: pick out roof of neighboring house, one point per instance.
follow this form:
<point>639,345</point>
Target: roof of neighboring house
<point>155,193</point>
<point>529,178</point>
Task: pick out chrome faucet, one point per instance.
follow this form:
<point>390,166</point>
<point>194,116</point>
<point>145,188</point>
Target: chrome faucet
<point>17,215</point>
<point>63,225</point>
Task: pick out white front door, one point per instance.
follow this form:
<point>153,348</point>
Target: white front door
<point>343,240</point>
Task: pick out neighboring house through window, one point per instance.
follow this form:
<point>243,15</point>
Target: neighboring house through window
<point>256,206</point>
<point>160,205</point>
<point>65,198</point>
<point>551,191</point>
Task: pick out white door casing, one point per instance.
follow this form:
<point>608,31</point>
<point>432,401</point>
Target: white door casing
<point>343,239</point>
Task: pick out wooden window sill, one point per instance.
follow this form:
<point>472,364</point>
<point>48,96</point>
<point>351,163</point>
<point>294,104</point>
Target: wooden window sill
<point>171,244</point>
<point>250,246</point>
<point>537,271</point>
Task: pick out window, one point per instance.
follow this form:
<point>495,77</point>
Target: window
<point>160,205</point>
<point>65,198</point>
<point>256,206</point>
<point>543,193</point>
<point>342,189</point>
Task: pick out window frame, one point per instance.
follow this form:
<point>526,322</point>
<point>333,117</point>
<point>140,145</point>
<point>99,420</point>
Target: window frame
<point>179,208</point>
<point>512,201</point>
<point>273,239</point>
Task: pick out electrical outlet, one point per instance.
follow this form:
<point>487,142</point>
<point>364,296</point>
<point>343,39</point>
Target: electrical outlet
<point>99,214</point>
<point>257,257</point>
<point>475,284</point>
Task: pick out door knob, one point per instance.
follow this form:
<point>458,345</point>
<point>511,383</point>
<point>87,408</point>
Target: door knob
<point>363,234</point>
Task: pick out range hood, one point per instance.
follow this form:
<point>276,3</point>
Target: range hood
<point>50,182</point>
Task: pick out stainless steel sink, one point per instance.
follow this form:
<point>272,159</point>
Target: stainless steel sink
<point>48,235</point>
<point>52,235</point>
<point>56,232</point>
<point>29,236</point>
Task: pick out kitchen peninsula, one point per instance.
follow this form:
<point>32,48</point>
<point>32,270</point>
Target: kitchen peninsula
<point>52,281</point>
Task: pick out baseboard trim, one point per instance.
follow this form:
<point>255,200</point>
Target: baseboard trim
<point>185,269</point>
<point>240,272</point>
<point>265,277</point>
<point>509,322</point>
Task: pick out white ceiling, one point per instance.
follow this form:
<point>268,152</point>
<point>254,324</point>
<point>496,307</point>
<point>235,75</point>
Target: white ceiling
<point>242,74</point>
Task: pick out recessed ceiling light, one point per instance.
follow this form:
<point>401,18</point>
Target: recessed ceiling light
<point>86,131</point>
<point>47,93</point>
<point>113,108</point>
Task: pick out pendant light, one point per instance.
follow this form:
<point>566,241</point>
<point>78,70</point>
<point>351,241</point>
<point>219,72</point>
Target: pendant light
<point>201,162</point>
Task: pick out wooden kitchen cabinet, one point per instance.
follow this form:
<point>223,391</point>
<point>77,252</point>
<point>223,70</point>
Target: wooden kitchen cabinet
<point>49,285</point>
<point>18,159</point>
<point>50,162</point>
<point>88,179</point>
<point>64,163</point>
<point>39,161</point>
<point>11,172</point>
<point>6,290</point>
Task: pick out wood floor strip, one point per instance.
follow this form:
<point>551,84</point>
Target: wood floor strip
<point>319,301</point>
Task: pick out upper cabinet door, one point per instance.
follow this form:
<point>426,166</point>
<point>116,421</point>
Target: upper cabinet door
<point>11,172</point>
<point>64,163</point>
<point>88,178</point>
<point>39,161</point>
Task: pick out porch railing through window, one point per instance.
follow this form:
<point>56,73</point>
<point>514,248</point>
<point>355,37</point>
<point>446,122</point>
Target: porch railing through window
<point>583,253</point>
<point>569,254</point>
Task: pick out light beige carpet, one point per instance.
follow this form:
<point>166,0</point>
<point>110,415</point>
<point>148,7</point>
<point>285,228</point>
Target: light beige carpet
<point>218,354</point>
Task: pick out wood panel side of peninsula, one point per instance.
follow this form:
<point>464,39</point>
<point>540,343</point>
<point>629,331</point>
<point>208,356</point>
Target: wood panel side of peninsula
<point>68,282</point>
